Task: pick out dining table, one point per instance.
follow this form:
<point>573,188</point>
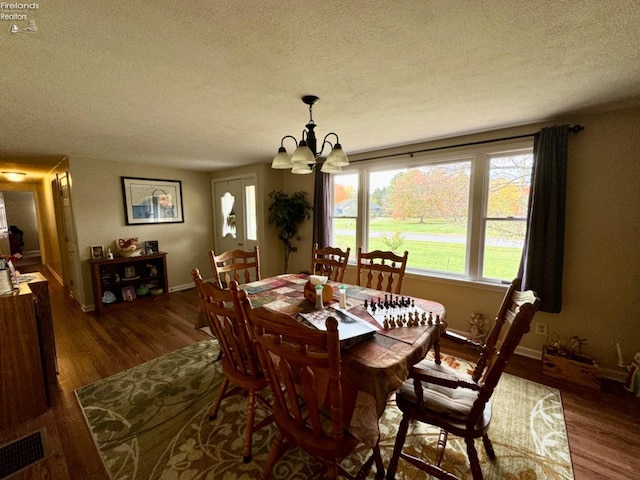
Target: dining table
<point>376,367</point>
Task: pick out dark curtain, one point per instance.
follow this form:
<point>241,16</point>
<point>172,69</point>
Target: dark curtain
<point>543,254</point>
<point>321,209</point>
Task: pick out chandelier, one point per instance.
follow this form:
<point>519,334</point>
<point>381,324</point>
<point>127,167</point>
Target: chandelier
<point>304,157</point>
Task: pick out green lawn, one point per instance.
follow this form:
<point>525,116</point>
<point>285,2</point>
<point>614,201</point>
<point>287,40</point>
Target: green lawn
<point>500,262</point>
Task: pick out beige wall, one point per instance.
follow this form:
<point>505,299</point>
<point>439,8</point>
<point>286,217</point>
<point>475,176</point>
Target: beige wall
<point>99,217</point>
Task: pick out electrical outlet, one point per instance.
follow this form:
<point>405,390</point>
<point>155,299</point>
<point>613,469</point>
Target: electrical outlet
<point>541,328</point>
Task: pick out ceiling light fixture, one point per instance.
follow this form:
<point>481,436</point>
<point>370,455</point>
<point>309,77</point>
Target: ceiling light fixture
<point>14,176</point>
<point>304,158</point>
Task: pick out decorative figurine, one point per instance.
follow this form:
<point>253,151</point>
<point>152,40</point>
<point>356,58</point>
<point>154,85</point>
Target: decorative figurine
<point>633,378</point>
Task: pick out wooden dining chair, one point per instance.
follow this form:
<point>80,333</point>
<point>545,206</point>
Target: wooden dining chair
<point>382,270</point>
<point>303,368</point>
<point>513,299</point>
<point>239,265</point>
<point>329,261</point>
<point>455,402</point>
<point>239,362</point>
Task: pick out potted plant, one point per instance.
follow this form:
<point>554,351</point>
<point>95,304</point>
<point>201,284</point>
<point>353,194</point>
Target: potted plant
<point>287,212</point>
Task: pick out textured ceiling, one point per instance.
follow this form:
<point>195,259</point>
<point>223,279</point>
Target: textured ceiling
<point>208,84</point>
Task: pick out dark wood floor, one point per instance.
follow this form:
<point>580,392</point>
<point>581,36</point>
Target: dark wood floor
<point>603,426</point>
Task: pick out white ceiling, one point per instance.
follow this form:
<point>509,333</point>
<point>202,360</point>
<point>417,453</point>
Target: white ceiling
<point>208,85</point>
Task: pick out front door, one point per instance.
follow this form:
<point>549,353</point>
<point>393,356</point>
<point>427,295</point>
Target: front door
<point>235,214</point>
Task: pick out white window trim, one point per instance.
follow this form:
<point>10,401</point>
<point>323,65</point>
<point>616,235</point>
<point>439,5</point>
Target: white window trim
<point>480,156</point>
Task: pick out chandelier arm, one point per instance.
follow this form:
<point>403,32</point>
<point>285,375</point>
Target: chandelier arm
<point>325,141</point>
<point>288,136</point>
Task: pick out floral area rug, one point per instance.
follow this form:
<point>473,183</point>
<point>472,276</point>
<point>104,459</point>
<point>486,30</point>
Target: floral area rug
<point>152,422</point>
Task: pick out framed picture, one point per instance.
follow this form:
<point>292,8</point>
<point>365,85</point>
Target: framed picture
<point>148,200</point>
<point>128,293</point>
<point>97,251</point>
<point>129,272</point>
<point>151,246</point>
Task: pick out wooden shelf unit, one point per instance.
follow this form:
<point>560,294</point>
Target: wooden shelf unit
<point>111,275</point>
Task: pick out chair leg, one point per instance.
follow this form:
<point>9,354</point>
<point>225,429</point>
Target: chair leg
<point>332,470</point>
<point>397,448</point>
<point>277,449</point>
<point>442,445</point>
<point>488,446</point>
<point>474,462</point>
<point>251,415</point>
<point>377,458</point>
<point>216,407</point>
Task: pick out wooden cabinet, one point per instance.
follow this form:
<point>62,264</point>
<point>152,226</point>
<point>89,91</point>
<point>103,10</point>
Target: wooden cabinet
<point>22,383</point>
<point>125,281</point>
<point>39,286</point>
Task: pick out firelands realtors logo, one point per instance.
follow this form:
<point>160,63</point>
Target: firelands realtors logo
<point>20,16</point>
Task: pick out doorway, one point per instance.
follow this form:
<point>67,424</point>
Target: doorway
<point>235,214</point>
<point>22,222</point>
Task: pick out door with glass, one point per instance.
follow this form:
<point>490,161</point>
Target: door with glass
<point>235,214</point>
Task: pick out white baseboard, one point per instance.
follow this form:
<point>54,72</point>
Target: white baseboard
<point>179,288</point>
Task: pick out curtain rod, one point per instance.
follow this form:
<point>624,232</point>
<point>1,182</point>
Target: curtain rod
<point>573,129</point>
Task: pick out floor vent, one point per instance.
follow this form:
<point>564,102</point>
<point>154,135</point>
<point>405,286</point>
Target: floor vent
<point>21,453</point>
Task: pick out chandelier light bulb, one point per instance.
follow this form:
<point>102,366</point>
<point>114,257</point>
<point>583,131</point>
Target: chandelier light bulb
<point>337,156</point>
<point>282,160</point>
<point>301,169</point>
<point>330,167</point>
<point>303,155</point>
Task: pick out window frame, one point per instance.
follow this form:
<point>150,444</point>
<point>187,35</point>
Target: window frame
<point>480,157</point>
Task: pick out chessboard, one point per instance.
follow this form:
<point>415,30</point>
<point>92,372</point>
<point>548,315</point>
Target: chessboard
<point>398,312</point>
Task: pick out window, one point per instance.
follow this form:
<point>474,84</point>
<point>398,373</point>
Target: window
<point>345,211</point>
<point>251,213</point>
<point>461,214</point>
<point>505,214</point>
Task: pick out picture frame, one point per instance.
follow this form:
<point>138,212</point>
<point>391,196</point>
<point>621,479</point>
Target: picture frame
<point>129,272</point>
<point>151,246</point>
<point>149,201</point>
<point>97,252</point>
<point>128,293</point>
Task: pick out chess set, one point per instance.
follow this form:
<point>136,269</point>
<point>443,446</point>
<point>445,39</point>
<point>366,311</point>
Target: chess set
<point>398,312</point>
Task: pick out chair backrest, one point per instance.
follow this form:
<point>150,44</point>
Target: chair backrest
<point>302,366</point>
<point>382,270</point>
<point>225,314</point>
<point>517,325</point>
<point>239,265</point>
<point>329,261</point>
<point>511,301</point>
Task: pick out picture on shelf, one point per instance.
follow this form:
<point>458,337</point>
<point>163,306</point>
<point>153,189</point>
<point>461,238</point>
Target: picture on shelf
<point>128,294</point>
<point>151,246</point>
<point>129,272</point>
<point>97,251</point>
